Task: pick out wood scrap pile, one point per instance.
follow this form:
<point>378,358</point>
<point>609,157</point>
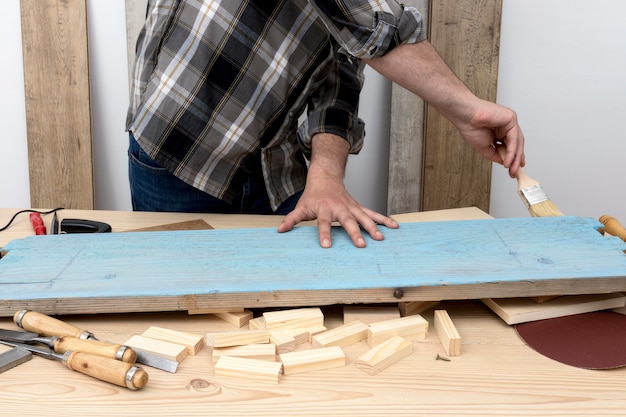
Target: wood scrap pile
<point>297,340</point>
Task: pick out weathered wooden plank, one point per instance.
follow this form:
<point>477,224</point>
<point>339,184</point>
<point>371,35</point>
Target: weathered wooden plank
<point>179,270</point>
<point>58,110</point>
<point>467,34</point>
<point>406,139</point>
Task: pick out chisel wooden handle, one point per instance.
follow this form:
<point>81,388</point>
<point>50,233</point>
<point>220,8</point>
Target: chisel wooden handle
<point>105,369</point>
<point>48,326</point>
<point>123,353</point>
<point>613,227</point>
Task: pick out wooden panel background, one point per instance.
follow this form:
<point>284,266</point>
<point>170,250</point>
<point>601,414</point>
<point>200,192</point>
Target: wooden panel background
<point>58,110</point>
<point>430,167</point>
<point>406,138</point>
<point>467,34</point>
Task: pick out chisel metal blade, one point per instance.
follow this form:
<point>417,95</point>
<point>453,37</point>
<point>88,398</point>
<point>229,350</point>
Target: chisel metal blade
<point>45,352</point>
<point>155,361</point>
<point>18,336</point>
<point>14,357</point>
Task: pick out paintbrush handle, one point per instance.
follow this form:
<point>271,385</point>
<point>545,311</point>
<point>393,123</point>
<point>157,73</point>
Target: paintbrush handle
<point>613,227</point>
<point>523,180</point>
<point>48,326</point>
<point>105,369</point>
<point>123,353</point>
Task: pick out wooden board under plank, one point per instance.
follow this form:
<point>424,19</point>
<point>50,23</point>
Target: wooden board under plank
<point>522,310</point>
<point>58,104</point>
<point>167,271</point>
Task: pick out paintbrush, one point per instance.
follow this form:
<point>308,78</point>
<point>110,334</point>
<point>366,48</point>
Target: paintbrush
<point>532,193</point>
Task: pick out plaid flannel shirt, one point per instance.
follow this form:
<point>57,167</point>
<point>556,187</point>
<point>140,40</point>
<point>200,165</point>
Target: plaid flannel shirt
<point>217,81</point>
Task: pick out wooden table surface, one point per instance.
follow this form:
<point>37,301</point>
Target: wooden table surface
<point>496,374</point>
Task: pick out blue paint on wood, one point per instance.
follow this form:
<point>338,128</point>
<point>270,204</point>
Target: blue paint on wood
<point>262,260</point>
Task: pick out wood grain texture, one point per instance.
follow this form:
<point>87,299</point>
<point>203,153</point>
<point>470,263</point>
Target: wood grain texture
<point>467,34</point>
<point>406,139</point>
<point>447,333</point>
<point>497,375</point>
<point>58,110</point>
<point>505,375</point>
<point>179,270</point>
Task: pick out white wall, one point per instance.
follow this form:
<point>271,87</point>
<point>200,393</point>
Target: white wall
<point>14,188</point>
<point>561,68</point>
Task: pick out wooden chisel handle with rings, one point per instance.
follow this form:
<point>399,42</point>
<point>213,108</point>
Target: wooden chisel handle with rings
<point>613,227</point>
<point>72,338</point>
<point>105,369</point>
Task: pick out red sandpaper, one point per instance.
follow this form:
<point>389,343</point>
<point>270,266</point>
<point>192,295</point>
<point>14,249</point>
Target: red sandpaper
<point>591,340</point>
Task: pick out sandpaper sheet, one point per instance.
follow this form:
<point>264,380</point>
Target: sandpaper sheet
<point>594,340</point>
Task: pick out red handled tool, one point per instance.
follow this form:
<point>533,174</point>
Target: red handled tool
<point>38,226</point>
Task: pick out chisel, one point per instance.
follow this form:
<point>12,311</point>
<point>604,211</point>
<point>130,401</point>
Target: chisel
<point>13,358</point>
<point>42,324</point>
<point>105,369</point>
<point>48,326</point>
<point>61,344</point>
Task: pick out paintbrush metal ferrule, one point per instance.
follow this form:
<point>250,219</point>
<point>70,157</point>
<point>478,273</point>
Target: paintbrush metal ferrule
<point>533,195</point>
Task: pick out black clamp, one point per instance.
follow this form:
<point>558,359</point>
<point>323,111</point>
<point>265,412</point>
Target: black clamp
<point>78,226</point>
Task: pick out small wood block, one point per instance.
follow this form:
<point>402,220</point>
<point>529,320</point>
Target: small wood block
<point>259,351</point>
<point>283,341</point>
<point>312,360</point>
<point>448,335</point>
<point>193,342</point>
<point>252,369</point>
<point>239,319</point>
<point>345,335</point>
<point>383,355</point>
<point>169,350</point>
<point>294,318</point>
<point>412,308</point>
<point>410,327</point>
<point>300,335</point>
<point>369,314</point>
<point>257,323</point>
<point>224,339</point>
<point>521,310</point>
<point>315,330</point>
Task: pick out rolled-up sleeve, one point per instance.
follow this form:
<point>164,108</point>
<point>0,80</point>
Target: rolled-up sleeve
<point>332,105</point>
<point>368,29</point>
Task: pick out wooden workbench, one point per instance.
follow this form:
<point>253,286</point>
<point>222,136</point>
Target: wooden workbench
<point>496,373</point>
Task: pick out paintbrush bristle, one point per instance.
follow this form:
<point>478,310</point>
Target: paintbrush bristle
<point>544,209</point>
<point>538,203</point>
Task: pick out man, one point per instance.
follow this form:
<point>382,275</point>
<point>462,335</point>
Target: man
<point>219,88</point>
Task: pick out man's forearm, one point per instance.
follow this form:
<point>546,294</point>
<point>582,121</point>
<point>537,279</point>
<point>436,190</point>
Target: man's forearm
<point>419,68</point>
<point>329,154</point>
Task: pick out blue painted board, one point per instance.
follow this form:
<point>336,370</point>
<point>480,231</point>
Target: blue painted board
<point>204,262</point>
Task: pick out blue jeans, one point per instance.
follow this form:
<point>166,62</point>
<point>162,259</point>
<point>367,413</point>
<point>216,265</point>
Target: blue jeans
<point>153,188</point>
